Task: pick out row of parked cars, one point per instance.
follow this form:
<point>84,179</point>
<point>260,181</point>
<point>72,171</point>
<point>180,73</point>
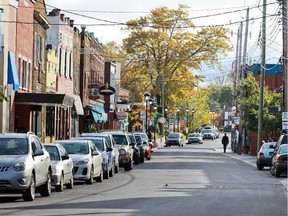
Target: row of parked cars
<point>274,155</point>
<point>28,166</point>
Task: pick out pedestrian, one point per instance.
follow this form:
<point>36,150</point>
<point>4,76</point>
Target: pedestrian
<point>225,141</point>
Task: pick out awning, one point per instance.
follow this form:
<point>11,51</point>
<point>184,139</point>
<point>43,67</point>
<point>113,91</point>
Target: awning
<point>12,72</point>
<point>98,112</point>
<point>78,104</point>
<point>44,99</point>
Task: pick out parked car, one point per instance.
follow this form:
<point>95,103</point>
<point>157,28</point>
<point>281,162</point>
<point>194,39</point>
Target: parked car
<point>125,149</point>
<point>195,138</point>
<point>279,160</point>
<point>208,134</point>
<point>87,160</point>
<point>114,154</point>
<point>138,151</point>
<point>144,143</point>
<point>283,139</point>
<point>145,136</point>
<point>175,139</point>
<point>25,165</point>
<point>216,132</point>
<point>102,146</point>
<point>62,166</point>
<point>264,155</point>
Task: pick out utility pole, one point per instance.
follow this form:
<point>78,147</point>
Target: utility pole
<point>285,55</point>
<point>262,76</point>
<point>245,45</point>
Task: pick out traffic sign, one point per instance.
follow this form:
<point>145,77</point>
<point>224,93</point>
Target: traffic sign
<point>162,120</point>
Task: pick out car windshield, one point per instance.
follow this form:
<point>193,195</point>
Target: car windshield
<point>284,140</point>
<point>208,131</point>
<point>120,139</point>
<point>268,146</point>
<point>99,144</point>
<point>54,154</point>
<point>132,138</point>
<point>76,148</point>
<point>173,135</point>
<point>138,138</point>
<point>283,149</point>
<point>13,146</point>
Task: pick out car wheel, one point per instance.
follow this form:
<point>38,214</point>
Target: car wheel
<point>70,185</point>
<point>60,187</point>
<point>100,177</point>
<point>46,188</point>
<point>272,171</point>
<point>29,194</point>
<point>142,159</point>
<point>111,172</point>
<point>91,178</point>
<point>106,175</point>
<point>116,168</point>
<point>259,166</point>
<point>277,173</point>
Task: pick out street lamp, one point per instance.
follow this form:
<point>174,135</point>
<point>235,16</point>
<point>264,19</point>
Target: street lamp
<point>212,118</point>
<point>193,112</point>
<point>178,120</point>
<point>155,122</point>
<point>187,111</point>
<point>147,97</point>
<point>167,117</point>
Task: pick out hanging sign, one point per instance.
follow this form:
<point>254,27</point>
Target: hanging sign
<point>106,90</point>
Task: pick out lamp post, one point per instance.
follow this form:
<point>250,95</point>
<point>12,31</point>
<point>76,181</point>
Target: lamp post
<point>147,97</point>
<point>193,112</point>
<point>212,118</point>
<point>167,117</point>
<point>178,120</point>
<point>155,122</point>
<point>187,125</point>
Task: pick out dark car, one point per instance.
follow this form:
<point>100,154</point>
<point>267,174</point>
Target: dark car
<point>175,139</point>
<point>279,161</point>
<point>136,149</point>
<point>283,139</point>
<point>264,155</point>
<point>143,143</point>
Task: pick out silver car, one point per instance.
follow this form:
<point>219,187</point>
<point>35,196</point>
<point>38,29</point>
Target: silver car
<point>111,144</point>
<point>62,167</point>
<point>24,165</point>
<point>87,160</point>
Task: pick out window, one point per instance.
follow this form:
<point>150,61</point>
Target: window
<point>70,67</point>
<point>35,50</point>
<point>60,61</point>
<point>43,54</point>
<point>65,64</point>
<point>19,69</point>
<point>24,73</point>
<point>29,75</point>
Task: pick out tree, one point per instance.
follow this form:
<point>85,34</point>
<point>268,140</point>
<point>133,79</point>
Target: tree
<point>165,46</point>
<point>2,95</point>
<point>248,99</point>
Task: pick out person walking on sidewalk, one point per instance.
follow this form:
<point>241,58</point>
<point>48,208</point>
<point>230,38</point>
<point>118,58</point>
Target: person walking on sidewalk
<point>225,142</point>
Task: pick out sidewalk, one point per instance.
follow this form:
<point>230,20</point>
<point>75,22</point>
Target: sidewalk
<point>249,159</point>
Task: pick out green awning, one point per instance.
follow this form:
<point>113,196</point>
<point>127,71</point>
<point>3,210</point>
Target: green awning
<point>124,122</point>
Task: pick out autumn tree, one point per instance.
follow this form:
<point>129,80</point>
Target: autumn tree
<point>162,50</point>
<point>248,99</point>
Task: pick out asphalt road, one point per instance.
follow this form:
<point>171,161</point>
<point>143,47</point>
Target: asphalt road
<point>193,180</point>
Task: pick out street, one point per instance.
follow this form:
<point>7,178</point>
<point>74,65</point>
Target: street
<point>193,180</point>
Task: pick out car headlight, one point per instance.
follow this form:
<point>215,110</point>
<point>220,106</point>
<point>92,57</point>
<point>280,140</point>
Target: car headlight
<point>83,162</point>
<point>21,166</point>
<point>122,152</point>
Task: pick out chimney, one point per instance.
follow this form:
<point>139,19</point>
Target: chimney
<point>55,12</point>
<point>71,23</point>
<point>62,17</point>
<point>67,20</point>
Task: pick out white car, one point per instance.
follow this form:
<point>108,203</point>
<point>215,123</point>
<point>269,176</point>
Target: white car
<point>25,165</point>
<point>62,166</point>
<point>87,160</point>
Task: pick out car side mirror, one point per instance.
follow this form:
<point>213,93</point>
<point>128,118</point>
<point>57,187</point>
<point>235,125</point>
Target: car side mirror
<point>65,157</point>
<point>109,149</point>
<point>38,152</point>
<point>95,153</point>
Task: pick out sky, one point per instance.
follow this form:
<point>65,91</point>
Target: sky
<point>98,16</point>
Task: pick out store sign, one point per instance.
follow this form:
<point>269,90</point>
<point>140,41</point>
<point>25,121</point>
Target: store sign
<point>106,90</point>
<point>121,115</point>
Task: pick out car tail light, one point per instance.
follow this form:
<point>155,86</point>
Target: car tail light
<point>261,154</point>
<point>280,159</point>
